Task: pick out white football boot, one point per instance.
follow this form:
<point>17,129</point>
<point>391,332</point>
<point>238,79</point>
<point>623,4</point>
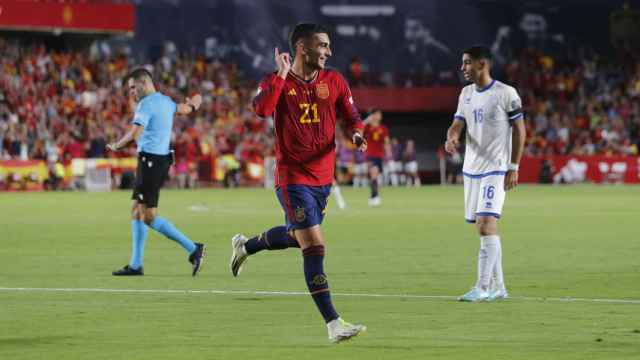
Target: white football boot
<point>239,254</point>
<point>340,330</point>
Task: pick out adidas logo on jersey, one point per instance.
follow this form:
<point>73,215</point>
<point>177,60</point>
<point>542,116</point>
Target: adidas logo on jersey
<point>292,92</point>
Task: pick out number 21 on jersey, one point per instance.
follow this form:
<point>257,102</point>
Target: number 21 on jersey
<point>307,118</point>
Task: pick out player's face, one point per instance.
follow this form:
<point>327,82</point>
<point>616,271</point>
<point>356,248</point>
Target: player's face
<point>317,51</point>
<point>376,118</point>
<point>471,69</point>
<point>468,68</point>
<point>136,89</point>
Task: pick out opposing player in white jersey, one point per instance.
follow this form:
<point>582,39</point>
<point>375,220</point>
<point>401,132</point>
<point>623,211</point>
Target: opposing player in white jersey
<point>491,111</point>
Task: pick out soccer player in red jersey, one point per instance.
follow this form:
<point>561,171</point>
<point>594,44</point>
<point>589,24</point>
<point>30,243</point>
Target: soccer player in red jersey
<point>303,98</point>
<point>377,136</point>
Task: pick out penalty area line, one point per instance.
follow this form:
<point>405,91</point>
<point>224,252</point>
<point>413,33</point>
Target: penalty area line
<point>302,293</point>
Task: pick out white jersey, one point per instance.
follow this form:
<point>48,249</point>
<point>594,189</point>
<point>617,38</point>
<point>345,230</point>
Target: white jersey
<point>488,114</point>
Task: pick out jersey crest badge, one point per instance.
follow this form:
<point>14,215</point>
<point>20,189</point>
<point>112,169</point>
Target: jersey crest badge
<point>322,90</point>
<point>299,215</point>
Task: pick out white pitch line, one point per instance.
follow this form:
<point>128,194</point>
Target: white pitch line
<point>301,293</point>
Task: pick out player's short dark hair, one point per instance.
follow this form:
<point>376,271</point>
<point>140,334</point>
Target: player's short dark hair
<point>305,31</point>
<point>138,74</point>
<point>479,53</point>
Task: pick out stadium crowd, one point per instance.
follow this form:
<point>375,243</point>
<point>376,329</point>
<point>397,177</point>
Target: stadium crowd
<point>58,106</point>
<point>578,103</point>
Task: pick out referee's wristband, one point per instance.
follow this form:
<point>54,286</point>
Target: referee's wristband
<point>513,167</point>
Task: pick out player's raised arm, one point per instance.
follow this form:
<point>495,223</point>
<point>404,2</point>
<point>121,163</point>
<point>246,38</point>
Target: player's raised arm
<point>190,105</point>
<point>352,122</point>
<point>271,87</point>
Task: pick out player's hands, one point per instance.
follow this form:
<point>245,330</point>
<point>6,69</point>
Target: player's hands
<point>112,147</point>
<point>451,146</point>
<point>195,100</point>
<point>359,141</point>
<point>283,61</point>
<point>510,180</point>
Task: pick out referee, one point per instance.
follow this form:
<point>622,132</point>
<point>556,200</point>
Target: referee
<point>151,128</point>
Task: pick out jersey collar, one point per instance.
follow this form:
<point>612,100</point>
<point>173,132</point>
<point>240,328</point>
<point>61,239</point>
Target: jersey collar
<point>486,87</point>
<point>303,80</point>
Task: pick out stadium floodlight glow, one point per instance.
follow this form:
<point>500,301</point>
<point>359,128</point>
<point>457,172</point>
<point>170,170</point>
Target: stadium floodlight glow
<point>358,10</point>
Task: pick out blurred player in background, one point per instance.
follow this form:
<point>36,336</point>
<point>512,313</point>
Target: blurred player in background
<point>303,98</point>
<point>377,136</point>
<point>395,163</point>
<point>151,129</point>
<point>341,146</point>
<point>411,164</point>
<point>337,194</point>
<point>360,169</point>
<point>495,137</point>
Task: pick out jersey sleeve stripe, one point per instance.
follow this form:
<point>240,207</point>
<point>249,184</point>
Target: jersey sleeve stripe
<point>516,117</point>
<point>514,113</point>
<point>459,117</point>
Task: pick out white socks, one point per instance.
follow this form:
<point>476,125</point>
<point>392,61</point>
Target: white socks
<point>497,278</point>
<point>488,256</point>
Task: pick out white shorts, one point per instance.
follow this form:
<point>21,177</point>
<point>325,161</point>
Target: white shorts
<point>396,166</point>
<point>483,195</point>
<point>411,167</point>
<point>360,169</point>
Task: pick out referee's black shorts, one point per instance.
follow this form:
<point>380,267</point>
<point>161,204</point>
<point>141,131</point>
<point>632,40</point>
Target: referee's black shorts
<point>151,173</point>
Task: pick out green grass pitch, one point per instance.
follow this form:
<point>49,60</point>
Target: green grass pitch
<point>563,248</point>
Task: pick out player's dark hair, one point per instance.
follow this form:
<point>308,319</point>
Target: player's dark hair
<point>479,53</point>
<point>305,31</point>
<point>138,74</point>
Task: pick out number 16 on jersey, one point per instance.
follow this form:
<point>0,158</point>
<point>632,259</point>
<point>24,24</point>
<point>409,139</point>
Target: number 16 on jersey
<point>477,116</point>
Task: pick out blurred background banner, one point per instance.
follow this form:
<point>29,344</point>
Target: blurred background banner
<point>409,37</point>
<point>57,16</point>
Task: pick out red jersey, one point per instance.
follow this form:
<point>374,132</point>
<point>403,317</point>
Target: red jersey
<point>376,137</point>
<point>304,116</point>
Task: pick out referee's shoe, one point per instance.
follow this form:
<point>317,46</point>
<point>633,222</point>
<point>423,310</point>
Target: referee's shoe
<point>128,271</point>
<point>197,258</point>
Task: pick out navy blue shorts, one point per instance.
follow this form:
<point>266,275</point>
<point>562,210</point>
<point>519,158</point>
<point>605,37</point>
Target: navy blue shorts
<point>303,205</point>
<point>375,161</point>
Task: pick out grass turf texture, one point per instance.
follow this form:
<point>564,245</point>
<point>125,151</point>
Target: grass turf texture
<point>578,242</point>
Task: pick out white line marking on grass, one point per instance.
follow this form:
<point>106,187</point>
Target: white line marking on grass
<point>302,293</point>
